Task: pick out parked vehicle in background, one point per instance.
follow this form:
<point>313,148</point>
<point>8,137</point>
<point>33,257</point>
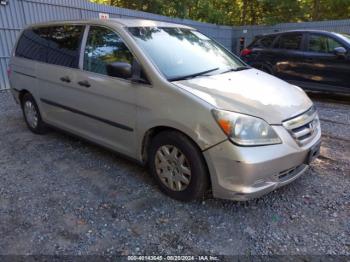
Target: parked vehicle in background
<point>170,97</point>
<point>314,60</point>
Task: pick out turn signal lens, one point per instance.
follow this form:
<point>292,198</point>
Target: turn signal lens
<point>225,125</point>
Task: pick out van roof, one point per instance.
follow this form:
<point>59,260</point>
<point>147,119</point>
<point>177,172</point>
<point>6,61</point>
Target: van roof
<point>296,31</point>
<point>123,22</point>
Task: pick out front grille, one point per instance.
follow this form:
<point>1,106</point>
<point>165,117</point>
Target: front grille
<point>304,127</point>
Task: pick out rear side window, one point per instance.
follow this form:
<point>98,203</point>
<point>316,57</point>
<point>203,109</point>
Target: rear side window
<point>33,44</point>
<point>264,42</point>
<point>289,41</point>
<point>267,41</point>
<point>104,47</point>
<point>58,45</point>
<point>64,45</point>
<point>322,44</point>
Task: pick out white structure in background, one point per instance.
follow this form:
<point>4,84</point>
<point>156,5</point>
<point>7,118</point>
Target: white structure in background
<point>103,16</point>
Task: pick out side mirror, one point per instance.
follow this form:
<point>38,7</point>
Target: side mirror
<point>138,75</point>
<point>340,51</point>
<point>119,69</point>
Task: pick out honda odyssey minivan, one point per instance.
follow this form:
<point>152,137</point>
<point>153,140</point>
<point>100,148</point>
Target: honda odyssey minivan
<point>169,97</point>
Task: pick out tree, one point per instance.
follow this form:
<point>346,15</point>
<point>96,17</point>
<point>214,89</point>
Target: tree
<point>241,12</point>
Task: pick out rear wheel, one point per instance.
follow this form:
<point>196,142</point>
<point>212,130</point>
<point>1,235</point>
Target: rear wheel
<point>32,115</point>
<point>178,166</point>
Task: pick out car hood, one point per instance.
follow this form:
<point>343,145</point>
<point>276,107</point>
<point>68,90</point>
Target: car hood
<point>251,92</point>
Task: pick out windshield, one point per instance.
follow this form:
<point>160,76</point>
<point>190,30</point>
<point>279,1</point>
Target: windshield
<point>181,53</point>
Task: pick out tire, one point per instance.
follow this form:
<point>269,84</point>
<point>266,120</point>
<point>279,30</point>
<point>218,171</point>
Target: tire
<point>175,171</point>
<point>32,115</point>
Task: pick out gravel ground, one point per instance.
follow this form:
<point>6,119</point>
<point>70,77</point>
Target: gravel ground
<point>61,195</point>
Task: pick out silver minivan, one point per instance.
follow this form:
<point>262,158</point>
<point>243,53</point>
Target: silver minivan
<point>169,97</point>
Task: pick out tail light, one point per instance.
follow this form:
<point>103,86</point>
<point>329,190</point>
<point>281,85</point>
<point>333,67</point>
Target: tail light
<point>246,52</point>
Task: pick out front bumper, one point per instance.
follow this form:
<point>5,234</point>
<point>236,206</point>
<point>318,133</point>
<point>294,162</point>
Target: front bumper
<point>243,173</point>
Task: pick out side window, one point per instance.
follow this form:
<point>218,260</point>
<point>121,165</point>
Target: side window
<point>33,44</point>
<point>104,47</point>
<point>322,44</point>
<point>264,42</point>
<point>289,41</point>
<point>255,43</point>
<point>58,45</point>
<point>64,45</point>
<point>267,41</point>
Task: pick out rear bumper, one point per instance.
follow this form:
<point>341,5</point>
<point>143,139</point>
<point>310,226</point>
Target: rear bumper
<point>243,173</point>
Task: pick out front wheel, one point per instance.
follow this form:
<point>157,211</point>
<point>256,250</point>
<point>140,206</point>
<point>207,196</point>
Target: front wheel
<point>178,166</point>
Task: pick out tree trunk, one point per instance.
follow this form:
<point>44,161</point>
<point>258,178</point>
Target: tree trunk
<point>315,10</point>
<point>244,12</point>
<point>252,12</point>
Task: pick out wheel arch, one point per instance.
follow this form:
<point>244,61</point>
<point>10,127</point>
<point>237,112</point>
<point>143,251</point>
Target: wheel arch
<point>152,132</point>
<point>21,95</point>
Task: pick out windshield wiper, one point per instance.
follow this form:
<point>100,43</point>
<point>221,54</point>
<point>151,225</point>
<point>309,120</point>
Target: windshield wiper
<point>236,69</point>
<point>192,75</point>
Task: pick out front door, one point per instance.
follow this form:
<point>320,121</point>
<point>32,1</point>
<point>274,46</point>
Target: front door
<point>322,66</point>
<point>107,103</point>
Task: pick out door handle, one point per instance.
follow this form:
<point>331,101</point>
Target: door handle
<point>84,83</point>
<point>65,79</point>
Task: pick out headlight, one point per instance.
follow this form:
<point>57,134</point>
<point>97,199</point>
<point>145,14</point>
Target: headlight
<point>246,130</point>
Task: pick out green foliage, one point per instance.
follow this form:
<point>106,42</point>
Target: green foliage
<point>241,12</point>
